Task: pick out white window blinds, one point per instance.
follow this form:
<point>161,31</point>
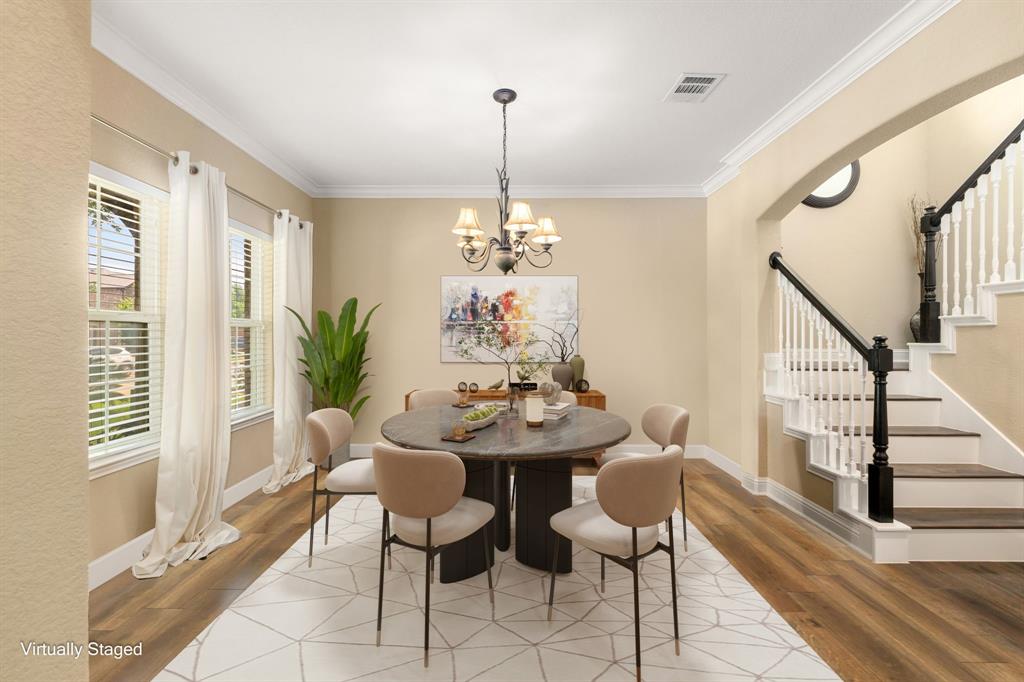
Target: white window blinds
<point>126,223</point>
<point>252,284</point>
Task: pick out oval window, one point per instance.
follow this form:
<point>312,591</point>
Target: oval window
<point>836,189</point>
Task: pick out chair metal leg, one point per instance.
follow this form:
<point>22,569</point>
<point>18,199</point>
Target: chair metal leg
<point>327,511</point>
<point>554,572</point>
<point>384,537</point>
<point>636,606</point>
<point>312,520</point>
<point>602,574</point>
<point>513,504</point>
<point>672,566</point>
<point>487,560</point>
<point>426,603</point>
<point>682,494</point>
<point>387,531</point>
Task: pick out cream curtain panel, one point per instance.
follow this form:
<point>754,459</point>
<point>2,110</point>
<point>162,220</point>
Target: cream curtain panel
<point>196,423</point>
<point>293,287</point>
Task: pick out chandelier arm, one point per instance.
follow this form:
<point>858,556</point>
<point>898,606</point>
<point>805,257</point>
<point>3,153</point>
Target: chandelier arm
<point>551,259</point>
<point>483,260</point>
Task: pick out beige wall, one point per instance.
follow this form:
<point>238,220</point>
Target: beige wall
<point>866,239</point>
<point>787,462</point>
<point>44,152</point>
<point>988,368</point>
<point>122,503</point>
<point>641,273</point>
<point>971,48</point>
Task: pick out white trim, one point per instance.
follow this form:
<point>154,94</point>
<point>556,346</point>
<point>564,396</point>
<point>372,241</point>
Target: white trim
<point>253,232</point>
<point>251,417</point>
<point>121,558</point>
<point>121,50</point>
<point>524,191</point>
<point>914,17</point>
<point>111,175</point>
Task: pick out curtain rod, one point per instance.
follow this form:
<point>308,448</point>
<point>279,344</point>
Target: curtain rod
<point>174,157</point>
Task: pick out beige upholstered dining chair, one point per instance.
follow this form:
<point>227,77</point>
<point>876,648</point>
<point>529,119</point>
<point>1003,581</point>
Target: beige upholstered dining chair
<point>327,430</point>
<point>634,495</point>
<point>423,489</point>
<point>565,397</point>
<point>665,425</point>
<point>432,397</point>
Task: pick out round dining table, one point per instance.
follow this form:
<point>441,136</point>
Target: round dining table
<point>543,466</point>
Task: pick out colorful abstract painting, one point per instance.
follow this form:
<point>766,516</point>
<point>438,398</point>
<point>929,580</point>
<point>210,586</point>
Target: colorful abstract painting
<point>517,306</point>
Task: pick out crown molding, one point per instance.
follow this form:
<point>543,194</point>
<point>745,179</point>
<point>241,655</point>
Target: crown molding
<point>123,52</point>
<point>914,17</point>
<point>490,191</point>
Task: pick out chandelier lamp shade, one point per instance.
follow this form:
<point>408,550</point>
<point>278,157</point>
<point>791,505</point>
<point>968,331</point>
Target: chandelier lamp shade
<point>520,236</point>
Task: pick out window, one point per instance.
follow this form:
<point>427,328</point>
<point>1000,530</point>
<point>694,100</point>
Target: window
<point>251,280</point>
<point>836,189</point>
<point>126,222</point>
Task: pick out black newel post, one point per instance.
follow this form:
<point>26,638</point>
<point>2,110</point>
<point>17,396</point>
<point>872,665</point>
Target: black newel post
<point>879,471</point>
<point>930,332</point>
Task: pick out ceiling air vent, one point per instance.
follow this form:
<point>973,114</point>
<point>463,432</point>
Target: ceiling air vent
<point>693,87</point>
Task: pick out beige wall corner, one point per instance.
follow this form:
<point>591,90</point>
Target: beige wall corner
<point>987,369</point>
<point>915,82</point>
<point>44,161</point>
<point>641,273</point>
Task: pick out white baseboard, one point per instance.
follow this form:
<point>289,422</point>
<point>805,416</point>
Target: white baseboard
<point>121,558</point>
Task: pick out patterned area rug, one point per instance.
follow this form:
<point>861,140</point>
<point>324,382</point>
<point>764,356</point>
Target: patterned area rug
<point>319,623</point>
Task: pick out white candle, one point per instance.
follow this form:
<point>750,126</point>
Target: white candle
<point>534,410</point>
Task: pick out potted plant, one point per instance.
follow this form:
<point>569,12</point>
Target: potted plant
<point>562,345</point>
<point>335,358</point>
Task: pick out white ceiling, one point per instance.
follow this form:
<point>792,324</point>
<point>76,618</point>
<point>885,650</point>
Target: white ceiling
<point>394,98</point>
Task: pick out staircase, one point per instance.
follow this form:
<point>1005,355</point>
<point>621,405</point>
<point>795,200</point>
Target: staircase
<point>924,477</point>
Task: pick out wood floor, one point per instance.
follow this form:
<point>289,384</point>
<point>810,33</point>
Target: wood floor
<point>935,621</point>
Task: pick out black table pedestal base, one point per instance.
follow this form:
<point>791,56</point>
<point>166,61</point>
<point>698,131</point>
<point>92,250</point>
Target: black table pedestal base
<point>465,558</point>
<point>543,488</point>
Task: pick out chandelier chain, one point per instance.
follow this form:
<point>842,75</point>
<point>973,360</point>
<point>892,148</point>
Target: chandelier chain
<point>504,138</point>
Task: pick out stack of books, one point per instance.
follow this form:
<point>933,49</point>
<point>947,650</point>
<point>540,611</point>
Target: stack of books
<point>556,411</point>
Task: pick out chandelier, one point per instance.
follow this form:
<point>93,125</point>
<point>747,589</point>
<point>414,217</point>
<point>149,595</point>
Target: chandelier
<point>517,230</point>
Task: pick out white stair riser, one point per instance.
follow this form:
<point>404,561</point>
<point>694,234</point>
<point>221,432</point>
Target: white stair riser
<point>901,412</point>
<point>958,492</point>
<point>938,449</point>
<point>973,544</point>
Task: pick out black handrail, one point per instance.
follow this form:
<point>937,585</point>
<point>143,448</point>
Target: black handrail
<point>972,181</point>
<point>844,328</point>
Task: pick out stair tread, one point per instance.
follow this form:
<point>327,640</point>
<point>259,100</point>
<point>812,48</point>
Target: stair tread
<point>963,517</point>
<point>914,431</point>
<point>893,397</point>
<point>943,470</point>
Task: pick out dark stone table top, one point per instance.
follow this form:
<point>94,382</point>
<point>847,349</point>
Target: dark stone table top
<point>509,438</point>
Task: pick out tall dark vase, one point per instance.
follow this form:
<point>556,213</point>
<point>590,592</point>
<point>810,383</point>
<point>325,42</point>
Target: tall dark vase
<point>915,319</point>
<point>562,373</point>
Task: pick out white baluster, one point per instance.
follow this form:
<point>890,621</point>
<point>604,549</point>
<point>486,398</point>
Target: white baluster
<point>811,324</point>
<point>943,244</point>
<point>982,194</point>
<point>830,336</point>
<point>863,418</point>
<point>1010,271</point>
<point>853,392</point>
<point>969,253</point>
<point>781,378</point>
<point>957,219</point>
<point>997,178</point>
<point>820,426</point>
<point>842,411</point>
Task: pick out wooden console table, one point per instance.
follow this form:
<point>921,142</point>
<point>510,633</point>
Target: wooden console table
<point>591,398</point>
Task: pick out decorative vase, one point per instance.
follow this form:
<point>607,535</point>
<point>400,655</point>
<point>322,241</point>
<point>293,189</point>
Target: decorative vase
<point>578,364</point>
<point>562,373</point>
